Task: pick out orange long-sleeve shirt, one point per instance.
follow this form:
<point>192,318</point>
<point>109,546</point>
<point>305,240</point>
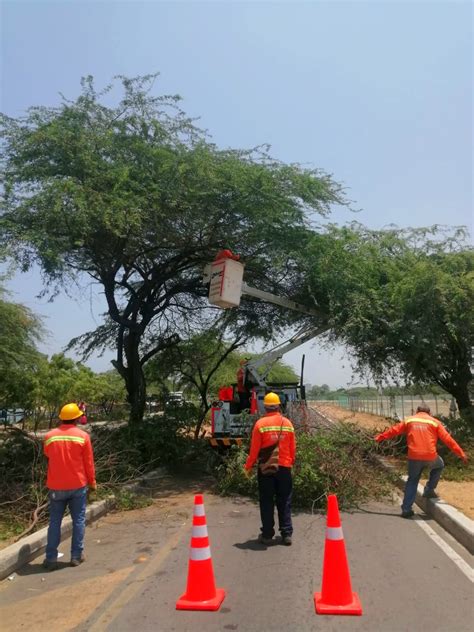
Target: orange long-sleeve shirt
<point>265,433</point>
<point>70,458</point>
<point>423,432</point>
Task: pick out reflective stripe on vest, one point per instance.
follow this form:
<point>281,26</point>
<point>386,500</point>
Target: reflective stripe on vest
<point>71,438</point>
<point>334,533</point>
<point>419,420</point>
<point>276,429</point>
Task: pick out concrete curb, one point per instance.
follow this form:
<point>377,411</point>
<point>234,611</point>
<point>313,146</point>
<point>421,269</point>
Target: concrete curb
<point>451,519</point>
<point>22,552</point>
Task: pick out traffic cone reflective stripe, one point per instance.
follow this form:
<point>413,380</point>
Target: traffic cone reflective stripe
<point>201,592</point>
<point>336,596</point>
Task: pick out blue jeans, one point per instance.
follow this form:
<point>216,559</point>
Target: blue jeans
<point>415,468</point>
<point>59,500</point>
<point>277,487</point>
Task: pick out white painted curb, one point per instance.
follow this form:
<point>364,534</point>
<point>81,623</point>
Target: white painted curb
<point>15,555</point>
<point>22,552</point>
<point>451,519</point>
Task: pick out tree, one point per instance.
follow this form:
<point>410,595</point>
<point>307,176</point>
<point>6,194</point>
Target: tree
<point>196,363</point>
<point>403,300</point>
<point>205,363</point>
<point>137,199</point>
<point>20,331</point>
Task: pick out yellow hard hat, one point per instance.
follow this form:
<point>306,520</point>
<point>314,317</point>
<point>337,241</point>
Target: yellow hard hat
<point>69,412</point>
<point>271,399</point>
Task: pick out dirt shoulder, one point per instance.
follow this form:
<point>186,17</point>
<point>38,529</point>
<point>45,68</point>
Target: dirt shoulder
<point>459,494</point>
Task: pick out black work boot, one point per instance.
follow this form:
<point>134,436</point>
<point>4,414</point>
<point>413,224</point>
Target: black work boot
<point>50,565</point>
<point>408,514</point>
<point>286,540</point>
<point>264,540</point>
<point>76,561</point>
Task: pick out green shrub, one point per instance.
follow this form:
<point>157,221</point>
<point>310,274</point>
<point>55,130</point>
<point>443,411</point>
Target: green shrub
<point>126,501</point>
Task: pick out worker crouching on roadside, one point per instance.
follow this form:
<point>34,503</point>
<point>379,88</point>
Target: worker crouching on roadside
<point>71,472</point>
<point>273,444</point>
<point>423,432</point>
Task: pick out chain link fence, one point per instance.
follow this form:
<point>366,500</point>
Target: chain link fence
<point>397,406</point>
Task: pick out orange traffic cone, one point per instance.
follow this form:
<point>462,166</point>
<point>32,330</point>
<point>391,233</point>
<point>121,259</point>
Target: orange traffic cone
<point>336,596</point>
<point>253,403</point>
<point>201,592</point>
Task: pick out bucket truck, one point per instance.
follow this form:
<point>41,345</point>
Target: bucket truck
<point>238,406</point>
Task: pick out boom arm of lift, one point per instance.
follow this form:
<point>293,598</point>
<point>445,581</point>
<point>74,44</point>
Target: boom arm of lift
<point>275,354</point>
<point>298,339</point>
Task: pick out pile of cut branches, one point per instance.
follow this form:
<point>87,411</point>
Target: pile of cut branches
<point>333,460</point>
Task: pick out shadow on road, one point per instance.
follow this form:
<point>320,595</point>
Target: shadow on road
<point>252,545</point>
<point>393,514</point>
<point>37,569</point>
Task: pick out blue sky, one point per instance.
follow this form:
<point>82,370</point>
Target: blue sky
<point>377,93</point>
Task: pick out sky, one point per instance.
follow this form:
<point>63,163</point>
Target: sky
<point>377,93</point>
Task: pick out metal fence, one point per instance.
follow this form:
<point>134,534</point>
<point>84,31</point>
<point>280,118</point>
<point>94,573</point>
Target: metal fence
<point>398,406</point>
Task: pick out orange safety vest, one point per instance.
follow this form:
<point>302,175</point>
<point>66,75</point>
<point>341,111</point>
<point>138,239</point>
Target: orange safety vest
<point>423,432</point>
<point>70,458</point>
<point>265,433</point>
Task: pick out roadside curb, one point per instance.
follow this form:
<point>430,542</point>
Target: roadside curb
<point>22,552</point>
<point>451,519</point>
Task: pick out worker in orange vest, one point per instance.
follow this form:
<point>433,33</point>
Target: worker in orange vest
<point>71,473</point>
<point>423,432</point>
<point>273,444</point>
<point>242,388</point>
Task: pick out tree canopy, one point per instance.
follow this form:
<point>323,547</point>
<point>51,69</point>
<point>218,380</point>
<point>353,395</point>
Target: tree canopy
<point>403,300</point>
<point>20,331</point>
<point>136,198</point>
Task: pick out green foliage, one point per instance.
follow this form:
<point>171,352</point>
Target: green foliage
<point>20,330</point>
<point>403,300</point>
<point>127,501</point>
<point>137,198</point>
<point>335,461</point>
<point>203,364</point>
<point>23,476</point>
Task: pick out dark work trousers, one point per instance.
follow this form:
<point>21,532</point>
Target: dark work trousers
<point>277,487</point>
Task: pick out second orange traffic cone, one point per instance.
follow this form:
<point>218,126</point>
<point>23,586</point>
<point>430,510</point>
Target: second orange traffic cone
<point>201,592</point>
<point>336,596</point>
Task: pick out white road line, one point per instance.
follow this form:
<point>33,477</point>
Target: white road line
<point>444,546</point>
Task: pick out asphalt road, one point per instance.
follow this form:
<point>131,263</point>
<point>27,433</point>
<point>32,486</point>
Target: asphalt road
<point>137,565</point>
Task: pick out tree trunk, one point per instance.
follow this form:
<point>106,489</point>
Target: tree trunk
<point>136,389</point>
<point>458,387</point>
<point>134,378</point>
<point>463,401</point>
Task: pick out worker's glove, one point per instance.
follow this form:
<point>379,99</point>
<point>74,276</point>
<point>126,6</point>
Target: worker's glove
<point>465,459</point>
<point>247,473</point>
<point>92,492</point>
